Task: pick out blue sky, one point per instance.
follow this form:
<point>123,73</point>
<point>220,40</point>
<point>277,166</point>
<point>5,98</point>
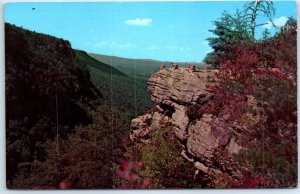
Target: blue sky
<point>175,31</point>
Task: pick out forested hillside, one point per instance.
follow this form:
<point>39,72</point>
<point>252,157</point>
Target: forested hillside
<point>65,112</point>
<point>43,80</point>
<point>120,90</point>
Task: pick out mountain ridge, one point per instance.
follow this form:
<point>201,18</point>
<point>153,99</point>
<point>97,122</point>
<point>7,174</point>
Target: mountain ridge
<point>143,68</point>
<point>145,59</point>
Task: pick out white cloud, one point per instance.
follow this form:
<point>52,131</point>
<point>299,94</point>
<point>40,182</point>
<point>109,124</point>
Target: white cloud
<point>279,22</point>
<point>139,22</point>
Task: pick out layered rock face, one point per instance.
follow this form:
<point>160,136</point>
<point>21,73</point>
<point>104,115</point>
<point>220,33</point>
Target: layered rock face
<point>207,141</point>
<point>179,88</point>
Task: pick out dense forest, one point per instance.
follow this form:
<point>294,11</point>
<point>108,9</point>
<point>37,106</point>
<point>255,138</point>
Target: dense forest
<point>68,113</point>
<point>60,103</point>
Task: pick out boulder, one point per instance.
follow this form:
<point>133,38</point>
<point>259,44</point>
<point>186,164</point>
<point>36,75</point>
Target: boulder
<point>139,127</point>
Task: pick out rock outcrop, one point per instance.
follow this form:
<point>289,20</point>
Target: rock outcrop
<point>179,86</point>
<point>207,141</point>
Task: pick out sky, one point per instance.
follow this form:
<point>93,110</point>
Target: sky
<point>167,31</point>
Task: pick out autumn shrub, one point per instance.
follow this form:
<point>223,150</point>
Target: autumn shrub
<point>266,71</point>
<point>131,175</point>
<point>227,104</point>
<point>248,181</point>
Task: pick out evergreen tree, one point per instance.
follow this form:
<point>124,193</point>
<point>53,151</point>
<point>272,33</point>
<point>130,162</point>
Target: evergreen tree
<point>266,34</point>
<point>229,30</point>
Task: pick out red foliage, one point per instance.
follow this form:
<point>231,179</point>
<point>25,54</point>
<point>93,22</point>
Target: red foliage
<point>265,70</point>
<point>61,185</point>
<point>225,103</point>
<point>64,185</point>
<point>248,182</point>
<point>273,72</point>
<point>240,64</point>
<point>131,175</point>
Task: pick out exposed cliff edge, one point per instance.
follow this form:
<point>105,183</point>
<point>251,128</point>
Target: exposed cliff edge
<point>207,141</point>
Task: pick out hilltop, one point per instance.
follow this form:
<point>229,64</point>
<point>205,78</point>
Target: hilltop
<point>139,68</point>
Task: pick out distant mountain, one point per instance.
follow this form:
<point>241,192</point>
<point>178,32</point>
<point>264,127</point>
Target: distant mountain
<point>117,88</point>
<point>140,68</point>
<point>103,67</point>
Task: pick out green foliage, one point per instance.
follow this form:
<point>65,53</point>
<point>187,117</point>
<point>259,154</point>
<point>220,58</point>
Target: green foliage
<point>127,94</point>
<point>140,69</point>
<point>41,72</point>
<point>103,67</point>
<point>85,159</point>
<point>164,164</point>
<point>274,160</point>
<point>266,35</point>
<point>229,30</point>
<point>237,29</point>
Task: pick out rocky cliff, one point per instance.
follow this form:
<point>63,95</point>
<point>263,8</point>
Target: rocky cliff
<point>208,142</point>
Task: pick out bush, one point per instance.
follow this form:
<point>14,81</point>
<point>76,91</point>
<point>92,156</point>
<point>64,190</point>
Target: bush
<point>164,164</point>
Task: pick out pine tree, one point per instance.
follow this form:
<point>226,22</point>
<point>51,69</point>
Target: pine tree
<point>229,30</point>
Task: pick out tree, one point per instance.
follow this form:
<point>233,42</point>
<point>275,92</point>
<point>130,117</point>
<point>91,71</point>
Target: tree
<point>38,68</point>
<point>253,9</point>
<point>230,30</point>
<point>85,158</point>
<point>265,70</point>
<point>266,34</point>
